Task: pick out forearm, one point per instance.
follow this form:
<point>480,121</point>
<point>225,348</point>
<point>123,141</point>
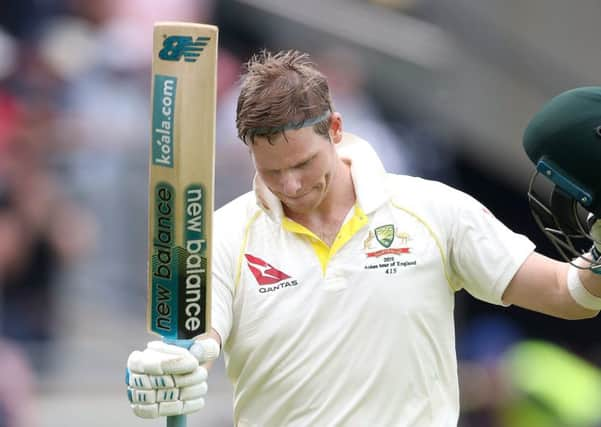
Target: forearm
<point>541,284</point>
<point>577,291</point>
<point>564,305</point>
<point>585,285</point>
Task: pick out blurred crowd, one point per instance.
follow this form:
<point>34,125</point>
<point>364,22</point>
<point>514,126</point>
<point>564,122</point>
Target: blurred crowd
<point>74,109</point>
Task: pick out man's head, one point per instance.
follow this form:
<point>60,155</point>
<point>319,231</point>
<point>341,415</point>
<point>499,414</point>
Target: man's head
<point>285,116</point>
<point>280,92</point>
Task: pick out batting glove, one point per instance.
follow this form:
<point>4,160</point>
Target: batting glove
<point>596,233</point>
<point>166,380</point>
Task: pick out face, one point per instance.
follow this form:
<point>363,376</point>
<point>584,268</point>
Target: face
<point>300,169</point>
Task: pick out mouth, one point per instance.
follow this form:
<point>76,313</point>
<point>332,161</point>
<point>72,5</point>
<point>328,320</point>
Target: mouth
<point>297,197</point>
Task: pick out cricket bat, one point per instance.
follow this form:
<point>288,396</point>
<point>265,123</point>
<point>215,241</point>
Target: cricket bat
<point>181,192</point>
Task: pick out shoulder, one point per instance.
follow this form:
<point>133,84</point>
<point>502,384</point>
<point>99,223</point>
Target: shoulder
<point>230,227</point>
<point>442,207</point>
<point>233,217</point>
<point>420,191</point>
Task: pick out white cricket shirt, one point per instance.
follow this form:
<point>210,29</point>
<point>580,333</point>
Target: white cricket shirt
<point>365,335</point>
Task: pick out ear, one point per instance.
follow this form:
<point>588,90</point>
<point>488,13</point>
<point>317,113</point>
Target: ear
<point>335,127</point>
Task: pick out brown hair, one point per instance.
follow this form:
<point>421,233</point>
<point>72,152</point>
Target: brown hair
<point>281,91</point>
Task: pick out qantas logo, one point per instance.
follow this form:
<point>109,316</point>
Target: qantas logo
<point>269,278</point>
<point>265,273</point>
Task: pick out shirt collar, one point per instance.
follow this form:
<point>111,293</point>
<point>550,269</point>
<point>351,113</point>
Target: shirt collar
<point>367,172</point>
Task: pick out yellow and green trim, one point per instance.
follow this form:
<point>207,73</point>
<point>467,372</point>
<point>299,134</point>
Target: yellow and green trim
<point>443,258</point>
<point>324,252</point>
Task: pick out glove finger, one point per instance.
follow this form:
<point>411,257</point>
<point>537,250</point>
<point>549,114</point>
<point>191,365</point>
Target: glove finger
<point>179,364</point>
<point>139,381</point>
<point>151,362</point>
<point>146,411</point>
<point>193,392</point>
<point>135,361</point>
<point>161,381</point>
<point>199,375</point>
<point>193,405</point>
<point>168,395</point>
<point>163,347</point>
<point>142,381</point>
<point>160,358</point>
<point>171,408</point>
<point>596,231</point>
<point>157,363</point>
<point>205,350</point>
<point>141,396</point>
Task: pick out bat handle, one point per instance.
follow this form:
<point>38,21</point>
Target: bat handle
<point>177,420</point>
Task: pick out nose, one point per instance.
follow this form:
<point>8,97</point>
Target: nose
<point>291,183</point>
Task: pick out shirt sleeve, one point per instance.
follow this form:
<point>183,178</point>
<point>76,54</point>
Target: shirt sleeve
<point>484,253</point>
<point>222,288</point>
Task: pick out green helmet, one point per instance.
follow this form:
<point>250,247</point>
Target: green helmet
<point>563,140</point>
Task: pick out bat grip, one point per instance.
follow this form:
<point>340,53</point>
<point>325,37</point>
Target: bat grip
<point>177,420</point>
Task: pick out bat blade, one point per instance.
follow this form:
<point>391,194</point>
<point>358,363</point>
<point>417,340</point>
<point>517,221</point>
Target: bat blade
<point>181,182</point>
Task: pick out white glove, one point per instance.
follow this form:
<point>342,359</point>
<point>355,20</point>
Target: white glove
<point>165,380</point>
<point>596,233</point>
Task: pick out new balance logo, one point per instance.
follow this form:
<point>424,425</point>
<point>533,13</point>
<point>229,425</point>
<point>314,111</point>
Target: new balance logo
<point>265,273</point>
<point>176,47</point>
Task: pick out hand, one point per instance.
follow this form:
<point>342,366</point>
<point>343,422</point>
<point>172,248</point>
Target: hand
<point>165,380</point>
<point>596,233</point>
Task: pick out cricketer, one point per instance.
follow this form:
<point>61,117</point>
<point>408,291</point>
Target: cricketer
<point>334,281</point>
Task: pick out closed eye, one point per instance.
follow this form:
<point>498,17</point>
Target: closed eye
<point>276,172</point>
<point>305,163</point>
